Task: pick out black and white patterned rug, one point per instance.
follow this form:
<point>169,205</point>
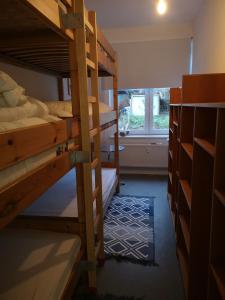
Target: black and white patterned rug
<point>129,229</point>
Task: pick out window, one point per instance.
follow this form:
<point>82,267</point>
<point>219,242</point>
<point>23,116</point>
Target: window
<point>144,111</point>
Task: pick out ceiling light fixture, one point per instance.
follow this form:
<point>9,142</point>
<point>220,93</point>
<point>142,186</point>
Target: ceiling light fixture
<point>161,7</point>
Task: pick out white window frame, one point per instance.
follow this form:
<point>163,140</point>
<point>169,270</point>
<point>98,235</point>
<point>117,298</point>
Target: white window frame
<point>149,130</point>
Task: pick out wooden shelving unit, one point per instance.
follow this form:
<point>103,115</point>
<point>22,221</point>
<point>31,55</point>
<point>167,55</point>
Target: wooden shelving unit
<point>217,251</point>
<point>174,145</point>
<point>197,192</point>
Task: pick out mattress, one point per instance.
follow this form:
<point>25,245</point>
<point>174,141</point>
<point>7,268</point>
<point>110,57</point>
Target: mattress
<point>63,109</point>
<point>36,264</point>
<point>107,117</point>
<point>13,173</point>
<point>61,199</point>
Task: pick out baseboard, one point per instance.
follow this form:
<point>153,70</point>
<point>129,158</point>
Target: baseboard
<point>143,171</point>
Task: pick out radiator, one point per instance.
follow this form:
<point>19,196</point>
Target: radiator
<point>149,155</point>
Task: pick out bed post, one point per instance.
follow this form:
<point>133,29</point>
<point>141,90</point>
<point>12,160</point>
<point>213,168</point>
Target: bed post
<point>60,88</point>
<point>116,135</point>
<point>96,138</point>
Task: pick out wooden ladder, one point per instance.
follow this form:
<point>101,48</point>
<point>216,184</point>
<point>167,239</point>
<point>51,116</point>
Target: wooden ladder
<point>85,64</point>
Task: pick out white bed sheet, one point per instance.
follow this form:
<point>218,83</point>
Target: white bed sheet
<point>61,199</point>
<point>64,109</point>
<point>36,264</point>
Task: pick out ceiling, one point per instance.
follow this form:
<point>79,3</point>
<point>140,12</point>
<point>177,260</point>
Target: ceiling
<point>136,13</point>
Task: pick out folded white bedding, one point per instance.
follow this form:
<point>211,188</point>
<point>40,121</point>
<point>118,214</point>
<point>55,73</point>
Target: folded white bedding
<point>26,122</point>
<point>64,108</point>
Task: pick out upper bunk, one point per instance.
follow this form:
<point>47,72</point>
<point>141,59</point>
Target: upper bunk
<point>33,35</point>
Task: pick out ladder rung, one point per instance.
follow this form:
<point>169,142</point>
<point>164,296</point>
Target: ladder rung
<point>95,193</point>
<point>88,47</point>
<point>93,132</point>
<point>92,99</point>
<point>89,26</point>
<point>87,23</point>
<point>94,163</point>
<point>90,63</point>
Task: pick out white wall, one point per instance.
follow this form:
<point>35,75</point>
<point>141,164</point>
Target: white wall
<point>41,86</point>
<point>209,38</point>
<point>152,64</point>
<point>152,56</point>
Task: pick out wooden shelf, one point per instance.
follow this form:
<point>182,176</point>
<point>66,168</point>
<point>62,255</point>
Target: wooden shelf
<point>187,191</point>
<point>170,177</point>
<point>221,196</point>
<point>188,148</point>
<point>219,276</point>
<point>184,267</point>
<point>204,144</point>
<point>186,232</point>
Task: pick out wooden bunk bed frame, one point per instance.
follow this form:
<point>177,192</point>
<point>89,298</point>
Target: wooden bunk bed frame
<point>58,38</point>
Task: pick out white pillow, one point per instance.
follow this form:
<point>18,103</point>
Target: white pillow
<point>15,97</point>
<point>6,82</point>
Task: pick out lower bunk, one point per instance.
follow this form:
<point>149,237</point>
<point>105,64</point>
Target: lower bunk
<point>38,265</point>
<point>61,199</point>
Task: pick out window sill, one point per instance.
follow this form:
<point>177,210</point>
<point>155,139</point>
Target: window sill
<point>145,136</point>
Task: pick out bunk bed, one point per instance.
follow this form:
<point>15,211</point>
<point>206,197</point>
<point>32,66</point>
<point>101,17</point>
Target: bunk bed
<point>58,38</point>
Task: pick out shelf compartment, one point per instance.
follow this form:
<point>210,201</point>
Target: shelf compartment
<point>205,127</point>
<point>207,146</point>
<point>171,117</point>
<point>185,166</point>
<point>221,196</point>
<point>220,150</point>
<point>217,255</point>
<point>182,257</point>
<point>187,191</point>
<point>186,232</point>
<point>187,124</point>
<point>188,148</point>
<point>201,213</point>
<point>171,177</point>
<point>176,115</point>
<point>219,277</point>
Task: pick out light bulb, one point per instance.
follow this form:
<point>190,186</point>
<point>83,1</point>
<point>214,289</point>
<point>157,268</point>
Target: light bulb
<point>162,7</point>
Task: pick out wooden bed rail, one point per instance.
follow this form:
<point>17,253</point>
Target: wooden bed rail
<point>57,224</point>
<point>47,50</point>
<point>106,45</point>
<point>20,144</point>
<point>19,195</point>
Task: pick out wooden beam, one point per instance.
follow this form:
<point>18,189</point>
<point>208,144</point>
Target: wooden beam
<point>106,45</point>
<point>60,88</point>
